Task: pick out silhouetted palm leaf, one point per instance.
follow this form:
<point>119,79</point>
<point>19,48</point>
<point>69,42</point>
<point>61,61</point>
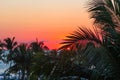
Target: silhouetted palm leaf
<point>81,36</point>
<point>38,46</point>
<point>106,13</point>
<point>10,43</point>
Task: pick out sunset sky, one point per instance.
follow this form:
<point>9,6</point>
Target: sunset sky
<point>47,20</point>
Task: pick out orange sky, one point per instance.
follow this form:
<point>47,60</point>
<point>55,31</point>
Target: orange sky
<point>48,20</point>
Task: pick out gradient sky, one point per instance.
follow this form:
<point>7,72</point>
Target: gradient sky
<point>47,20</point>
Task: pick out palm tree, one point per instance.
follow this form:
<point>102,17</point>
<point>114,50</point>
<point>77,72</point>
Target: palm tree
<point>98,55</point>
<point>106,15</point>
<point>102,56</point>
<point>38,46</point>
<point>22,61</point>
<point>10,44</point>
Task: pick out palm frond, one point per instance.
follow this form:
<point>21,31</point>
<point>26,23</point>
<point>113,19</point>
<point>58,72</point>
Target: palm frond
<point>106,13</point>
<point>81,36</point>
<point>10,43</point>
